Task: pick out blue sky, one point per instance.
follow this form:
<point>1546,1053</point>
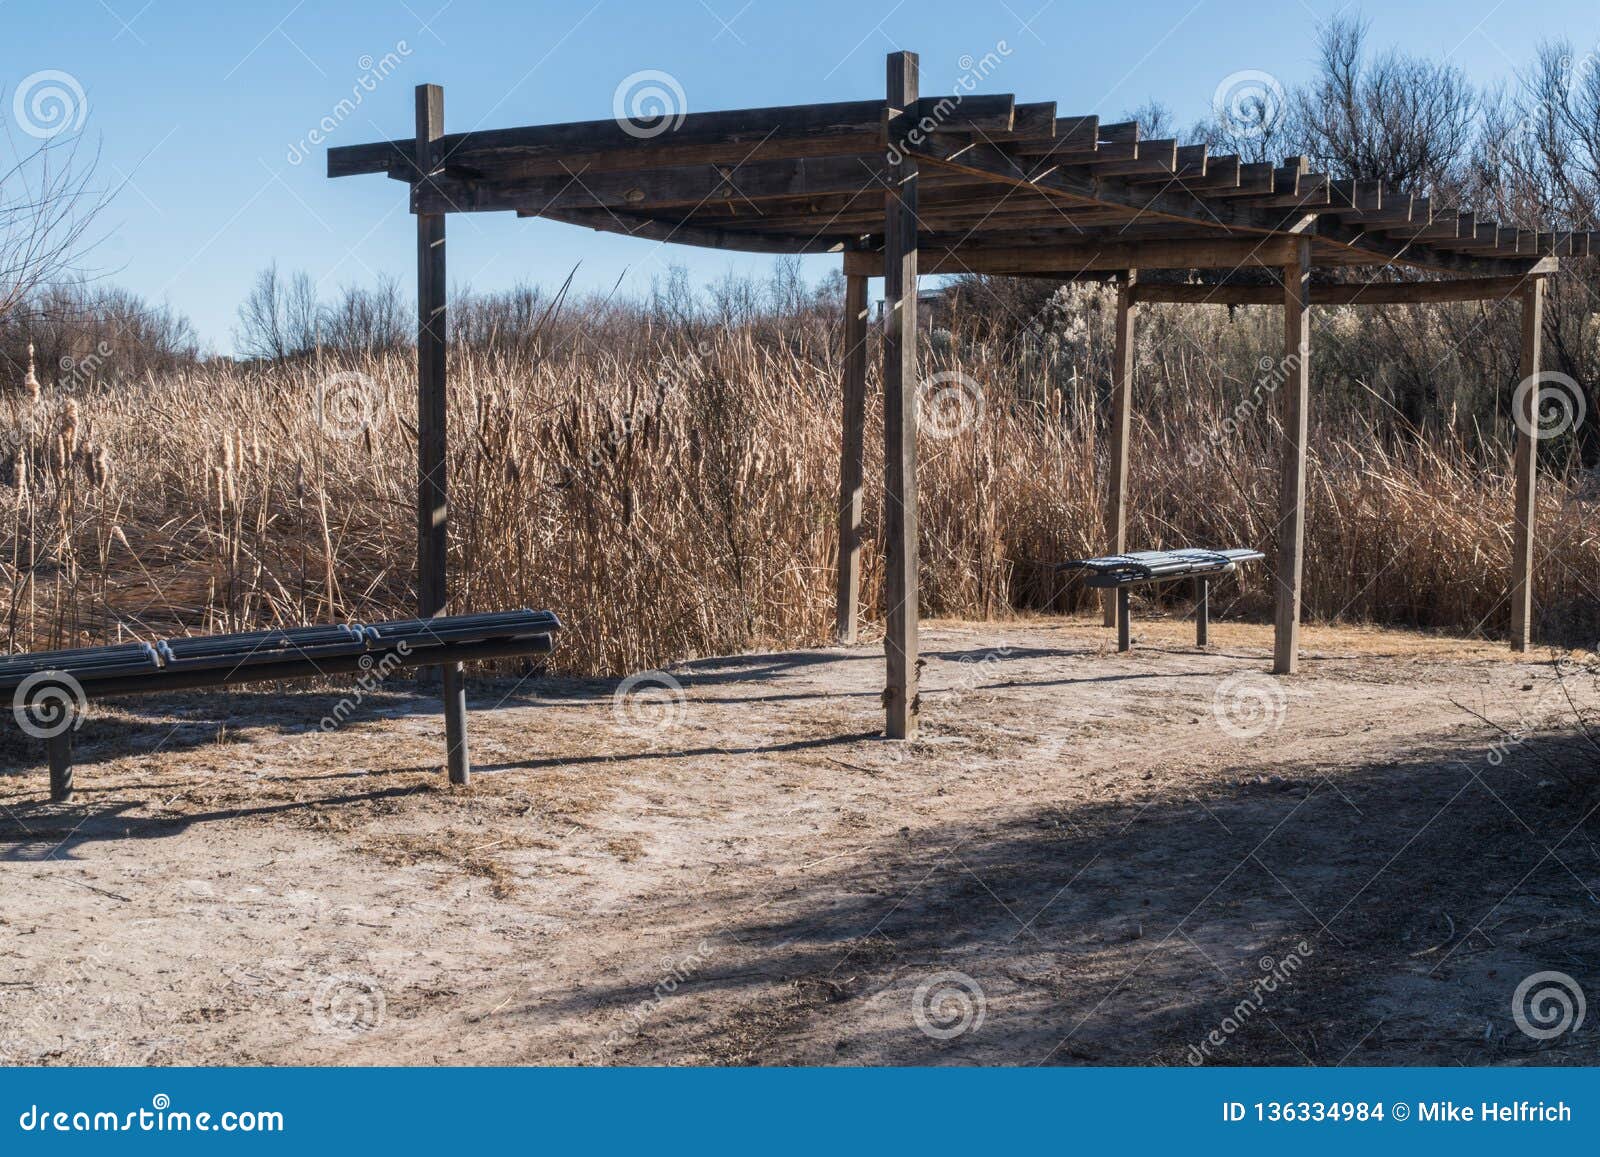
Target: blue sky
<point>199,108</point>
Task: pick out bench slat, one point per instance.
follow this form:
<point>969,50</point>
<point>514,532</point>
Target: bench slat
<point>289,652</point>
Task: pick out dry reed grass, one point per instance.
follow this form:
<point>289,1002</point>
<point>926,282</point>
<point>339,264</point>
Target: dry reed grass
<point>678,498</point>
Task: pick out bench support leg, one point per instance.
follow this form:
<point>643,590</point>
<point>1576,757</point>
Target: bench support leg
<point>1202,611</point>
<point>1124,640</point>
<point>455,723</point>
<point>58,749</point>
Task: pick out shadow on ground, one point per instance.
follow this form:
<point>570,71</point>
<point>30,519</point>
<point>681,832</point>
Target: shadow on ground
<point>1423,893</point>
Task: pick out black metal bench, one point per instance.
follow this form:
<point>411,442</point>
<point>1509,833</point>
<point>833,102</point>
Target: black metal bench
<point>1122,572</point>
<point>50,689</point>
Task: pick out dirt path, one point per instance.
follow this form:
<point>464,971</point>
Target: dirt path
<point>1087,858</point>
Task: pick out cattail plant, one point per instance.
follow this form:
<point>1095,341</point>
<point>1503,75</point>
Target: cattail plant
<point>672,490</point>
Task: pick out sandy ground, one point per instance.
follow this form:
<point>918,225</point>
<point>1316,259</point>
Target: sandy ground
<point>1161,857</point>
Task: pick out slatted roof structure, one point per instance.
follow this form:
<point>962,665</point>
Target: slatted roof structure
<point>910,184</point>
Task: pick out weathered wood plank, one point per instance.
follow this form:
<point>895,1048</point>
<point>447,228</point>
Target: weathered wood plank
<point>726,137</point>
<point>654,190</point>
<point>941,255</point>
<point>1121,425</point>
<point>1295,374</point>
<point>433,511</point>
<point>852,453</point>
<point>902,702</point>
<point>1525,465</point>
<point>1381,293</point>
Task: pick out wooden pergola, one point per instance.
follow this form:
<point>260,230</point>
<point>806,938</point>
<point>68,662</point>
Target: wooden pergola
<point>911,184</point>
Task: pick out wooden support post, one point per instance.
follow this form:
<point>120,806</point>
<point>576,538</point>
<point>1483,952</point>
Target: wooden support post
<point>58,750</point>
<point>900,387</point>
<point>852,449</point>
<point>1202,611</point>
<point>432,397</point>
<point>1124,626</point>
<point>1295,373</point>
<point>1525,464</point>
<point>1121,418</point>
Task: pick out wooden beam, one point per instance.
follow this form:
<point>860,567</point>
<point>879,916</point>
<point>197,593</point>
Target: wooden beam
<point>650,191</point>
<point>900,387</point>
<point>852,451</point>
<point>733,136</point>
<point>1161,200</point>
<point>1295,373</point>
<point>1381,293</point>
<point>606,221</point>
<point>1041,256</point>
<point>432,400</point>
<point>1121,419</point>
<point>1525,465</point>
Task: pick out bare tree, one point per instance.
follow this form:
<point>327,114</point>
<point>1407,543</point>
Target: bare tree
<point>368,321</point>
<point>279,319</point>
<point>1402,119</point>
<point>48,203</point>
